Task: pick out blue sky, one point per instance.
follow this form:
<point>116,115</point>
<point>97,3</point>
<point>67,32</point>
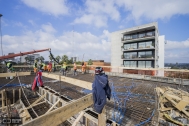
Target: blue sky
<point>39,24</point>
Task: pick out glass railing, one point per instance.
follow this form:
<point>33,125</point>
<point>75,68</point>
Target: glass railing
<point>137,36</point>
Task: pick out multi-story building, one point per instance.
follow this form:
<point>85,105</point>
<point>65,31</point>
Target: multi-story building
<point>138,47</point>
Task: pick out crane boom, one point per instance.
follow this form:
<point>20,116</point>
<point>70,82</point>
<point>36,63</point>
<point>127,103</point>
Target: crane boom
<point>23,53</point>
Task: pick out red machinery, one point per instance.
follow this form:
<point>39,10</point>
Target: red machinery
<point>24,53</point>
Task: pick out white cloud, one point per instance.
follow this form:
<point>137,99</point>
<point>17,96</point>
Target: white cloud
<point>98,12</point>
<point>32,22</point>
<point>83,43</point>
<point>48,28</point>
<point>153,10</point>
<point>177,51</point>
<point>54,7</point>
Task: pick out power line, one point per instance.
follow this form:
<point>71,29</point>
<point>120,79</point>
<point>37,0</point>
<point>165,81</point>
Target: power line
<point>1,34</point>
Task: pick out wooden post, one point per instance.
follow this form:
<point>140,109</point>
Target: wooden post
<point>13,92</point>
<point>86,121</point>
<point>102,118</point>
<point>19,93</point>
<point>3,99</point>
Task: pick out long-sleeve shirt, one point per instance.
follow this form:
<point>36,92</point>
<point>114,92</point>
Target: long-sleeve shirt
<point>101,90</point>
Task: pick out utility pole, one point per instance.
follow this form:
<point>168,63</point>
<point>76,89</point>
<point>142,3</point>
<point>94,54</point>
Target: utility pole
<point>1,35</point>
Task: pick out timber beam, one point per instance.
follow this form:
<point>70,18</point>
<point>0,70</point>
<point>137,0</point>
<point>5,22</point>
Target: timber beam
<point>76,82</point>
<point>15,74</point>
<point>60,115</point>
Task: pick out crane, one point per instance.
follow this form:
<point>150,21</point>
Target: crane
<point>23,53</point>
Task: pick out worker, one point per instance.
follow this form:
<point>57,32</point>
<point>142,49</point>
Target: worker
<point>100,89</point>
<point>38,82</point>
<point>35,66</point>
<point>42,66</point>
<point>83,67</point>
<point>75,69</point>
<point>50,66</point>
<point>64,69</point>
<point>9,66</point>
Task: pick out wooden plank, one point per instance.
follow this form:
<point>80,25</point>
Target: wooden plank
<point>91,118</point>
<point>19,93</point>
<point>79,83</point>
<point>15,74</point>
<point>53,106</point>
<point>39,99</point>
<point>102,118</point>
<point>60,115</point>
<point>78,118</point>
<point>13,93</point>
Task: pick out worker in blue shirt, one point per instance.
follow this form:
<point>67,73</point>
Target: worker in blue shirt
<point>100,89</point>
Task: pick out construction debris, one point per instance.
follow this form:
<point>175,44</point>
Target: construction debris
<point>173,105</point>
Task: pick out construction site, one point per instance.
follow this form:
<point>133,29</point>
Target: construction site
<point>67,100</point>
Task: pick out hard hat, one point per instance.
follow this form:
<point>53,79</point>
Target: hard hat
<point>10,60</point>
<point>98,70</point>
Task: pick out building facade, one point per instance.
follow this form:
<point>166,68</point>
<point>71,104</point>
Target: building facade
<point>138,47</point>
<point>31,58</point>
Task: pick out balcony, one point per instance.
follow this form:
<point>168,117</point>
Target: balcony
<point>137,58</point>
<point>137,49</point>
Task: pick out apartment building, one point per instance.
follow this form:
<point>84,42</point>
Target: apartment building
<point>138,47</point>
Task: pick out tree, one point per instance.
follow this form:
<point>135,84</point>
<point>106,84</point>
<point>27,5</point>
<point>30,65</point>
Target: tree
<point>37,59</point>
<point>58,58</point>
<point>64,58</point>
<point>50,57</point>
<point>26,58</point>
<point>41,58</point>
<point>90,62</point>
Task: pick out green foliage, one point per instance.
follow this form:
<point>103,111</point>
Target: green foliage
<point>90,62</point>
<point>50,57</point>
<point>37,59</point>
<point>41,58</point>
<point>58,58</point>
<point>78,62</point>
<point>64,58</point>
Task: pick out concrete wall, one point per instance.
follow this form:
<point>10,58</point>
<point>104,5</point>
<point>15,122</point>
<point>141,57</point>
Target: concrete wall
<point>161,43</point>
<point>116,51</point>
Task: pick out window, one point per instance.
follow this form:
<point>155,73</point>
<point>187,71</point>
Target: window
<point>141,35</point>
<point>134,46</point>
<point>134,36</point>
<point>127,46</point>
<point>149,54</point>
<point>141,55</point>
<point>149,44</point>
<point>130,55</point>
<point>141,45</point>
<point>126,37</point>
<point>130,63</point>
<point>133,63</point>
<point>126,63</point>
<point>148,64</point>
<point>150,33</point>
<point>141,64</point>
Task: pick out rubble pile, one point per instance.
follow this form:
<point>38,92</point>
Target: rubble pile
<point>173,106</point>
